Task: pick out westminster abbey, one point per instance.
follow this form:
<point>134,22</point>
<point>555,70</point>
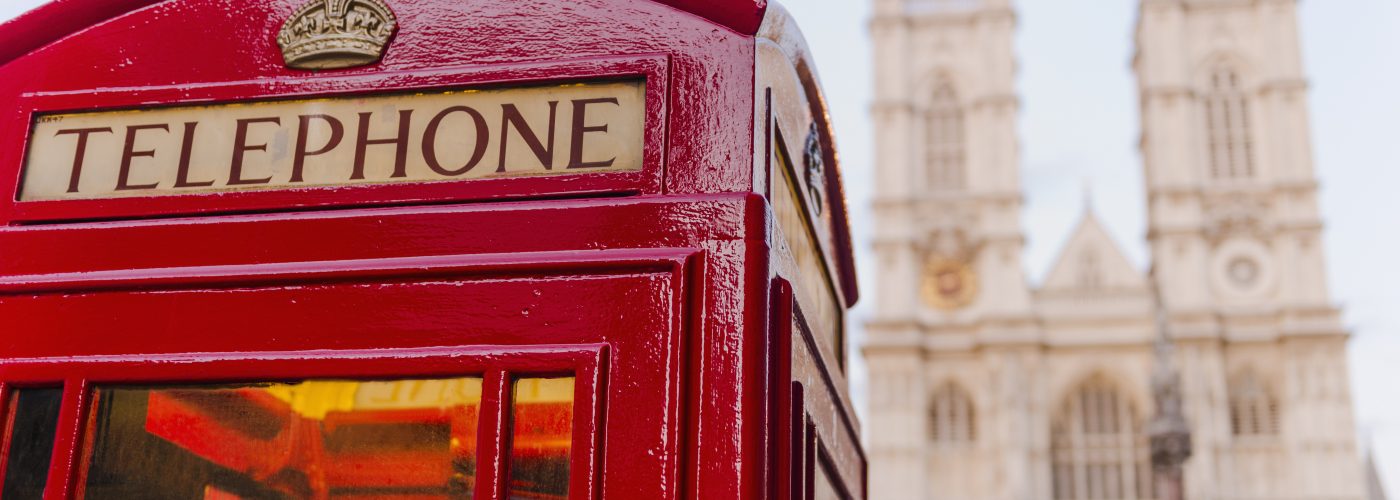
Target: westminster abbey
<point>985,386</point>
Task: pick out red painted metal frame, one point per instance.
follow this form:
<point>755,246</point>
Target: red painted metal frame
<point>410,350</point>
<point>216,259</point>
<point>14,135</point>
<point>805,391</point>
<point>709,68</point>
<point>496,363</point>
<point>6,392</point>
<point>669,268</point>
<point>781,29</point>
<point>60,18</point>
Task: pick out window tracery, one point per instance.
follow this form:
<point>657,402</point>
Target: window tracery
<point>1099,450</point>
<point>1254,411</point>
<point>951,416</point>
<point>1230,150</point>
<point>945,140</point>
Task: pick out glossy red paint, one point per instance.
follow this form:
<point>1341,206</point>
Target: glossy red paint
<point>650,67</point>
<point>60,18</point>
<point>665,291</point>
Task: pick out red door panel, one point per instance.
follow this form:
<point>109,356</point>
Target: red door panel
<point>374,319</point>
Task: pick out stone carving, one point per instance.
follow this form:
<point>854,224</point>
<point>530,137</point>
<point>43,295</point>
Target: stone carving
<point>334,34</point>
<point>1235,214</point>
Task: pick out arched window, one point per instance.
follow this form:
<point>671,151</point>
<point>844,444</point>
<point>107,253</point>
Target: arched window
<point>951,416</point>
<point>1098,448</point>
<point>945,144</point>
<point>1229,148</point>
<point>1253,409</point>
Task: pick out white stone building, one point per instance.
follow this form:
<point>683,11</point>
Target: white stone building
<point>985,387</point>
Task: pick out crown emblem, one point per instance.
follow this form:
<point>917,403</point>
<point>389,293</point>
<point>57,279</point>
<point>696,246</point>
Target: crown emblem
<point>333,34</point>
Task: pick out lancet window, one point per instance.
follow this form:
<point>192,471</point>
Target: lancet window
<point>945,144</point>
<point>1230,150</point>
<point>1254,411</point>
<point>1098,448</point>
<point>951,416</point>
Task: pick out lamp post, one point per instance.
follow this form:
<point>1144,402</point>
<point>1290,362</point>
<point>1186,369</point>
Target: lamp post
<point>1168,434</point>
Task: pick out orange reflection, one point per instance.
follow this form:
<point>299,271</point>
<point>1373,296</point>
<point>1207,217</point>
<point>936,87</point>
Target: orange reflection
<point>541,438</point>
<point>405,439</point>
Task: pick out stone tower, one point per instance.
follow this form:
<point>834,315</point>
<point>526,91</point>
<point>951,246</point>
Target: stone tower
<point>1235,233</point>
<point>949,245</point>
<point>983,387</point>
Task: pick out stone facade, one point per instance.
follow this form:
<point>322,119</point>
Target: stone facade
<point>983,386</point>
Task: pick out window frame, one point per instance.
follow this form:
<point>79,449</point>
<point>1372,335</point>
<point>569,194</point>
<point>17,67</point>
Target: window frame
<point>1230,151</point>
<point>945,161</point>
<point>1264,418</point>
<point>651,69</point>
<point>961,427</point>
<point>497,365</point>
<point>1079,442</point>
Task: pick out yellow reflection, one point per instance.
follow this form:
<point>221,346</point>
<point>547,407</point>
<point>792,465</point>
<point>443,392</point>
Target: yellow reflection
<point>544,390</point>
<point>316,398</point>
<point>311,439</point>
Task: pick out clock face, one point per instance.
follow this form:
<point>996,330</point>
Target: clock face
<point>948,284</point>
<point>1243,271</point>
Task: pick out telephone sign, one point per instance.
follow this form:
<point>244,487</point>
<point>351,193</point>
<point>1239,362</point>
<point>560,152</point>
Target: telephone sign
<point>439,136</point>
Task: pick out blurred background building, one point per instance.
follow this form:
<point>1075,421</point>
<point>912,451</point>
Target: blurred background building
<point>984,387</point>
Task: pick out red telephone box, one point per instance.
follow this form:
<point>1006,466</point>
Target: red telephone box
<point>420,249</point>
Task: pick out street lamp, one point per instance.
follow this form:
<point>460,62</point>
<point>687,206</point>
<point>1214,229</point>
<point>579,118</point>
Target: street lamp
<point>1168,433</point>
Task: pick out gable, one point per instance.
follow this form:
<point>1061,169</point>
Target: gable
<point>1092,261</point>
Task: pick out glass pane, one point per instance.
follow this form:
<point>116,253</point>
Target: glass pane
<point>403,439</point>
<point>542,435</point>
<point>33,423</point>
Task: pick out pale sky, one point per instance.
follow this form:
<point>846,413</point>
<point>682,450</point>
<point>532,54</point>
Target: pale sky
<point>1079,126</point>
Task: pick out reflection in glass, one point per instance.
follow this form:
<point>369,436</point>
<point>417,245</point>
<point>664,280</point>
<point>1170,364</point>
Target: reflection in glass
<point>822,488</point>
<point>542,422</point>
<point>33,415</point>
<point>403,439</point>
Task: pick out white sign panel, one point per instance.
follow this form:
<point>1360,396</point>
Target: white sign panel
<point>422,137</point>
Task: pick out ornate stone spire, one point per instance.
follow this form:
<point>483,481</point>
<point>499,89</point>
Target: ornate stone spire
<point>1168,432</point>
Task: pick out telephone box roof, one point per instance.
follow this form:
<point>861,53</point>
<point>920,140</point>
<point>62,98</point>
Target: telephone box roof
<point>59,18</point>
